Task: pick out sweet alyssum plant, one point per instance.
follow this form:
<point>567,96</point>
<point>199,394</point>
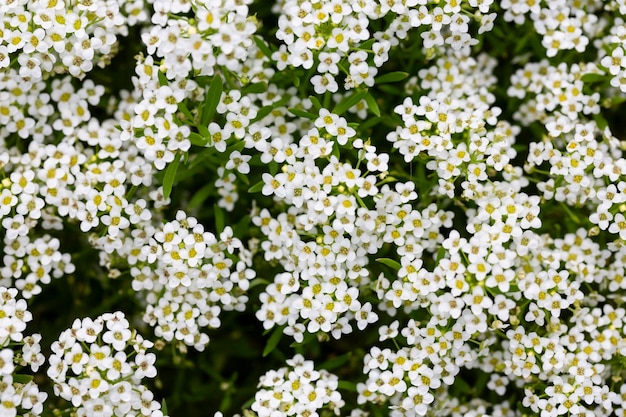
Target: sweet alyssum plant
<point>312,208</point>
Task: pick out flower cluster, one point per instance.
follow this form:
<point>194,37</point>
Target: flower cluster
<point>43,37</point>
<point>298,389</point>
<point>405,186</point>
<point>18,393</point>
<point>98,365</point>
<point>190,276</point>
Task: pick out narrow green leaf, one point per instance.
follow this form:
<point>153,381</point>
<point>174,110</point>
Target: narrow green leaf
<point>335,362</point>
<point>219,218</point>
<point>204,155</point>
<point>238,145</point>
<point>390,263</point>
<point>367,44</point>
<point>263,111</point>
<point>183,108</point>
<point>212,99</point>
<point>200,195</point>
<point>22,379</point>
<point>204,131</point>
<point>593,77</point>
<point>316,103</point>
<point>347,385</point>
<point>243,226</point>
<point>302,113</point>
<point>164,407</point>
<point>441,253</point>
<point>348,102</point>
<point>197,139</point>
<point>242,177</point>
<point>258,281</point>
<point>600,121</point>
<point>170,176</point>
<point>256,187</point>
<point>272,342</point>
<point>255,88</point>
<point>260,43</point>
<point>372,105</point>
<point>162,78</point>
<point>391,77</point>
<point>336,152</point>
<point>372,121</point>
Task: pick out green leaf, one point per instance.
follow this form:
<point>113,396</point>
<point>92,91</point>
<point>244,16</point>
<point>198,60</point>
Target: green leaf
<point>219,218</point>
<point>365,46</point>
<point>347,385</point>
<point>391,77</point>
<point>254,88</point>
<point>256,187</point>
<point>260,43</point>
<point>265,110</point>
<point>22,379</point>
<point>238,145</point>
<point>258,281</point>
<point>164,407</point>
<point>200,195</point>
<point>212,99</point>
<point>170,176</point>
<point>162,78</point>
<point>204,131</point>
<point>371,104</point>
<point>336,152</point>
<point>335,362</point>
<point>593,77</point>
<point>348,102</point>
<point>441,253</point>
<point>242,177</point>
<point>204,155</point>
<point>390,263</point>
<point>600,121</point>
<point>197,139</point>
<point>372,121</point>
<point>243,226</point>
<point>272,342</point>
<point>183,108</point>
<point>316,103</point>
<point>302,113</point>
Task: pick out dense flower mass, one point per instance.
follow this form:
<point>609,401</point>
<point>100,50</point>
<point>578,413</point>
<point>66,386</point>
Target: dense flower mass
<point>312,208</point>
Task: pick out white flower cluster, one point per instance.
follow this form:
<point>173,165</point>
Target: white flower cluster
<point>190,276</point>
<point>298,389</point>
<point>615,63</point>
<point>98,365</point>
<point>459,132</point>
<point>18,393</point>
<point>330,32</point>
<point>60,36</point>
<point>561,26</point>
<point>28,264</point>
<point>477,244</point>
